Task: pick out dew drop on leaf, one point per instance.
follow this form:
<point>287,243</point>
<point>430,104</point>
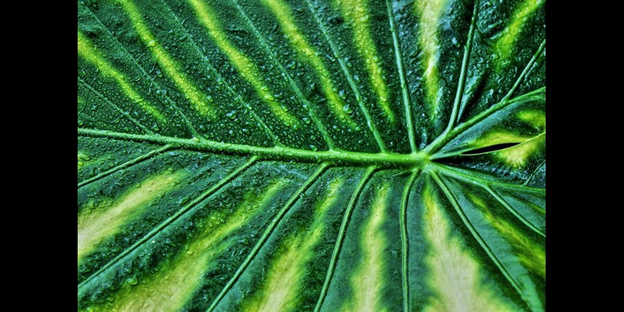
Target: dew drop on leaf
<point>231,114</point>
<point>133,281</point>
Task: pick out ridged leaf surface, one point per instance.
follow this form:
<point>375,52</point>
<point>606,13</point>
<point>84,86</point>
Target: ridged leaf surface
<point>311,155</point>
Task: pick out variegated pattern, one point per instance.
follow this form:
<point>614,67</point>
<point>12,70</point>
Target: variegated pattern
<point>311,155</point>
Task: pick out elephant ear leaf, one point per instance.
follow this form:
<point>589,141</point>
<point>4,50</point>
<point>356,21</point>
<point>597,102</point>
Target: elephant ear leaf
<point>313,155</point>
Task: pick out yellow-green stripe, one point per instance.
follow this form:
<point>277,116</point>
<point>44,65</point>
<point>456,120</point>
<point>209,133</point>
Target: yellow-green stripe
<point>283,13</point>
<point>245,66</point>
<point>90,54</point>
<point>430,12</point>
<point>531,254</point>
<point>369,278</point>
<point>282,286</point>
<point>167,63</point>
<point>534,117</point>
<point>100,221</point>
<point>174,284</point>
<point>357,14</point>
<point>505,43</point>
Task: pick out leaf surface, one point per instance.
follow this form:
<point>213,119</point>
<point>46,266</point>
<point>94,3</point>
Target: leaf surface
<point>335,155</point>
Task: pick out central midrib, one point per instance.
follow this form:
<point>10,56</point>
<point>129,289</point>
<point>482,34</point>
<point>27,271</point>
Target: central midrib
<point>381,160</point>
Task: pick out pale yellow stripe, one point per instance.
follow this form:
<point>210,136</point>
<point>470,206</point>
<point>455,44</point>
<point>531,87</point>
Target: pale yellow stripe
<point>430,12</point>
<point>97,223</point>
<point>283,282</point>
<point>307,53</point>
<point>246,67</point>
<point>167,63</point>
<point>505,43</point>
<point>454,275</point>
<point>369,277</point>
<point>88,52</point>
<point>173,286</point>
<point>518,155</point>
<point>357,14</point>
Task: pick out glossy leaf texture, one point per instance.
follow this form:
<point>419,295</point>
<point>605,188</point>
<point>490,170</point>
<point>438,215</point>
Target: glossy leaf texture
<point>311,155</point>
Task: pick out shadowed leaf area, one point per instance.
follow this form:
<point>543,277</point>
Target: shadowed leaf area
<point>311,155</point>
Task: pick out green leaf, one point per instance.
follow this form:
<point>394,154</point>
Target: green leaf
<point>314,155</point>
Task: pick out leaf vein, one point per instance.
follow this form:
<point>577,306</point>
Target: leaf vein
<point>313,114</point>
<point>358,96</point>
<point>462,75</point>
<point>404,91</point>
<point>404,239</point>
<point>115,107</point>
<point>341,234</point>
<point>169,220</point>
<point>237,95</point>
<point>476,235</point>
<point>513,211</point>
<point>186,120</point>
<point>127,164</point>
<point>276,220</point>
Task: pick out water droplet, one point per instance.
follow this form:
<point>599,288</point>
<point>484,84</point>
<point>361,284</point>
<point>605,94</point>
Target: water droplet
<point>342,94</point>
<point>152,43</point>
<point>133,281</point>
<point>231,114</point>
